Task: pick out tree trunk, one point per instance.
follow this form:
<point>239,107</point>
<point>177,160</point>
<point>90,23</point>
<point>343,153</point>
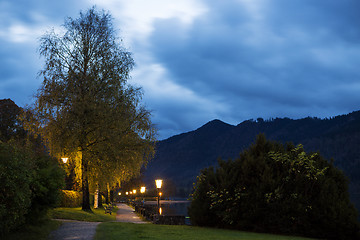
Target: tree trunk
<point>108,193</point>
<point>100,199</point>
<point>96,197</point>
<point>85,183</point>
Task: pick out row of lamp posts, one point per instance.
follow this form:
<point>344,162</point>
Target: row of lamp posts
<point>158,183</point>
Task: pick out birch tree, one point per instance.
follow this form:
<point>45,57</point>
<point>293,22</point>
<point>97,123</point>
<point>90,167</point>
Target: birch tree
<point>85,104</point>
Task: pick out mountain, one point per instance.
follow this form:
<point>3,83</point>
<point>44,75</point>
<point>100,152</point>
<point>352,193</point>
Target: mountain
<point>180,158</point>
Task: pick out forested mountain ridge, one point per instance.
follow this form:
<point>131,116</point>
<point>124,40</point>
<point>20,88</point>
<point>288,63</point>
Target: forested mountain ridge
<point>180,158</point>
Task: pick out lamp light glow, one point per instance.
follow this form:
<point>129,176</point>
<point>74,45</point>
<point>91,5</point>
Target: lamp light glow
<point>158,183</point>
<point>64,159</point>
<point>142,189</point>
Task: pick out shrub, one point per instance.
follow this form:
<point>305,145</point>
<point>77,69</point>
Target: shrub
<point>48,178</point>
<point>278,189</point>
<point>29,185</point>
<point>15,194</point>
<point>70,198</point>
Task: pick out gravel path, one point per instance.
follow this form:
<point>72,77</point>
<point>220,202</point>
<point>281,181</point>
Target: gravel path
<point>78,230</point>
<point>74,230</point>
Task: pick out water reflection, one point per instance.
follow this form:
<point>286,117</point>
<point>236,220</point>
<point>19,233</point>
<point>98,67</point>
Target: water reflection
<point>175,208</point>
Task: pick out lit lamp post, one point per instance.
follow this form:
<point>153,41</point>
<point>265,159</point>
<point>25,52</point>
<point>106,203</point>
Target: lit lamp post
<point>158,183</point>
<point>134,192</point>
<point>142,191</point>
<point>64,159</point>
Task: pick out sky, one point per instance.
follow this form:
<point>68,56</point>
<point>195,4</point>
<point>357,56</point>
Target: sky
<point>199,60</point>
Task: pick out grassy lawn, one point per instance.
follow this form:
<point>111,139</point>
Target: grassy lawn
<point>130,231</point>
<point>40,231</point>
<point>96,215</point>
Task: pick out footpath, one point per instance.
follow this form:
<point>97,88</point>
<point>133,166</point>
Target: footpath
<point>127,214</point>
<point>71,229</point>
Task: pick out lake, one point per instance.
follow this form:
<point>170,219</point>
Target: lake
<point>173,207</point>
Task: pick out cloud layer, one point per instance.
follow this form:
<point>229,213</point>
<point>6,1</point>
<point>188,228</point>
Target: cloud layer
<point>199,60</point>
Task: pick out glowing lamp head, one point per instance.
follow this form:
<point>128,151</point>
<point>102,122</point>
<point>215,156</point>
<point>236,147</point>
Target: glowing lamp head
<point>119,193</point>
<point>64,159</point>
<point>142,189</point>
<point>134,191</point>
<point>127,193</point>
<point>158,183</point>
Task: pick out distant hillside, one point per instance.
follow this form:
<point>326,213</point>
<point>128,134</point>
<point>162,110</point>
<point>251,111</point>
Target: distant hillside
<point>180,158</point>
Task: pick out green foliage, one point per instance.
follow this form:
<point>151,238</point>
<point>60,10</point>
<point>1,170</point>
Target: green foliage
<point>47,179</point>
<point>29,178</point>
<point>38,231</point>
<point>275,188</point>
<point>15,194</point>
<point>10,126</point>
<point>85,106</point>
<point>29,184</point>
<point>70,198</point>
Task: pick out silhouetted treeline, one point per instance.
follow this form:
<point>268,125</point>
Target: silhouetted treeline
<point>181,157</point>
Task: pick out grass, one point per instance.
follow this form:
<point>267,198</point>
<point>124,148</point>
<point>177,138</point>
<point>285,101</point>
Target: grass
<point>96,215</point>
<point>43,228</point>
<point>40,231</point>
<point>130,231</point>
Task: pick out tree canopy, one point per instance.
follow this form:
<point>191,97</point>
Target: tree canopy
<point>85,106</point>
<point>276,188</point>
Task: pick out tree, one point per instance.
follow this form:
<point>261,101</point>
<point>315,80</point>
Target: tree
<point>10,126</point>
<point>278,189</point>
<point>30,179</point>
<point>85,106</point>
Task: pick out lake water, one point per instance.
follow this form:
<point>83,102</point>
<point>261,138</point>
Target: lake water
<point>173,208</point>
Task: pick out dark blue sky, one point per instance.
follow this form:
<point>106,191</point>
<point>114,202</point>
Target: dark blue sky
<point>200,60</point>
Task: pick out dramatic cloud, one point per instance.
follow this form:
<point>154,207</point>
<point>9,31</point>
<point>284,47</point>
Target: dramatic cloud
<point>199,60</point>
<point>266,58</point>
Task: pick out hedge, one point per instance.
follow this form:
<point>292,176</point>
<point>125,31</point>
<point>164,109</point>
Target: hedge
<point>69,198</point>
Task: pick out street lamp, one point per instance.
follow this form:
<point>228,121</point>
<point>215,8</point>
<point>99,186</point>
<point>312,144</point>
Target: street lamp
<point>142,191</point>
<point>64,159</point>
<point>158,183</point>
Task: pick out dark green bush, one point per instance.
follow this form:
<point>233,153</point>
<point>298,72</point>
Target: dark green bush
<point>278,189</point>
<point>70,198</point>
<point>30,183</point>
<point>48,178</point>
<point>15,193</point>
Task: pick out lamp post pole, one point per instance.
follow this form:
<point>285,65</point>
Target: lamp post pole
<point>142,191</point>
<point>158,183</point>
